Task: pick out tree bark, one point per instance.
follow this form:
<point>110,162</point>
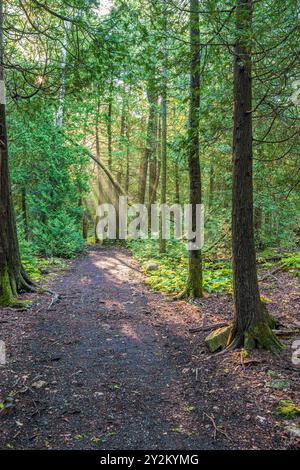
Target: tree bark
<point>60,111</point>
<point>24,212</point>
<point>98,155</point>
<point>164,131</point>
<point>177,183</point>
<point>13,278</point>
<point>109,129</point>
<point>252,324</point>
<point>194,282</point>
<point>151,139</point>
<point>127,174</point>
<point>211,186</point>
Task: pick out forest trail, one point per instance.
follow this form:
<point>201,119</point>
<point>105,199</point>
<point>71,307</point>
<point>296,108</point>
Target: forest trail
<point>113,365</point>
<point>102,368</point>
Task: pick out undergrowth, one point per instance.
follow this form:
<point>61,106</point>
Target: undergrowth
<point>169,270</point>
<point>172,267</point>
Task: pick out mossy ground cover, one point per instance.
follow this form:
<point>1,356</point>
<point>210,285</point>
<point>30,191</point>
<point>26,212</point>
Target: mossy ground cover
<point>172,267</point>
<point>39,268</point>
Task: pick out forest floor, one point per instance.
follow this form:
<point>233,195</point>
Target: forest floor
<point>114,365</point>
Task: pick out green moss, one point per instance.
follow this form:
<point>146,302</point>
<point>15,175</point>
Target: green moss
<point>262,336</point>
<point>287,409</point>
<point>218,339</point>
<point>172,271</point>
<point>291,263</point>
<point>20,304</point>
<point>6,290</point>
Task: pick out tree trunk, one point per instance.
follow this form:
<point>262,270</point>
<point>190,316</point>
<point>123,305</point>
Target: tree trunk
<point>109,130</point>
<point>211,186</point>
<point>158,162</point>
<point>13,278</point>
<point>251,327</point>
<point>164,132</point>
<point>127,174</point>
<point>99,181</point>
<point>85,225</point>
<point>177,183</point>
<point>24,212</point>
<point>163,190</point>
<point>151,138</point>
<point>60,111</point>
<point>153,166</point>
<point>194,282</point>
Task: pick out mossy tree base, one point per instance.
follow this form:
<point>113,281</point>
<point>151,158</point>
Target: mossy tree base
<point>258,336</point>
<point>9,289</point>
<point>191,292</point>
<point>261,336</point>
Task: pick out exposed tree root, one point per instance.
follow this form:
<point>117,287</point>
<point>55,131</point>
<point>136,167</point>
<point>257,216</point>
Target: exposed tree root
<point>12,285</point>
<point>187,294</point>
<point>260,335</point>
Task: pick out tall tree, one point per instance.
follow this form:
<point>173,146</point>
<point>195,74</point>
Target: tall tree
<point>109,125</point>
<point>151,137</point>
<point>194,282</point>
<point>252,324</point>
<point>60,111</point>
<point>13,278</point>
<point>163,196</point>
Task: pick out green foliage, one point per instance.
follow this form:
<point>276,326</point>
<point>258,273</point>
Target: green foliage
<point>51,175</point>
<point>38,268</point>
<point>172,271</point>
<point>287,409</point>
<point>291,263</point>
<point>287,261</point>
<point>59,236</point>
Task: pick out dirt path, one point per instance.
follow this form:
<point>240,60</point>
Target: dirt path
<point>110,366</point>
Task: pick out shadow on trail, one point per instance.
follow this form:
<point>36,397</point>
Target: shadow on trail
<point>116,365</point>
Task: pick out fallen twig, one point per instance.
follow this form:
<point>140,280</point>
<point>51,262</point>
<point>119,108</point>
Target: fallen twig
<point>207,327</point>
<point>216,428</point>
<point>286,332</point>
<point>54,300</point>
<point>270,273</point>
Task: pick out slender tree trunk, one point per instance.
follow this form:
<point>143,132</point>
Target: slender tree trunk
<point>85,225</point>
<point>152,168</point>
<point>60,111</point>
<point>177,183</point>
<point>158,163</point>
<point>13,278</point>
<point>122,141</point>
<point>251,326</point>
<point>153,164</point>
<point>98,155</point>
<point>109,129</point>
<point>163,193</point>
<point>211,186</point>
<point>24,212</point>
<point>151,138</point>
<point>127,174</point>
<point>194,283</point>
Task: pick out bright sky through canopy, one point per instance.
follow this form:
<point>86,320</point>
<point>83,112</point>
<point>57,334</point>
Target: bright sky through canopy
<point>105,6</point>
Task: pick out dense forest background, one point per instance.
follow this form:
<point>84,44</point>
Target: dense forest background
<point>87,78</point>
<point>164,101</point>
